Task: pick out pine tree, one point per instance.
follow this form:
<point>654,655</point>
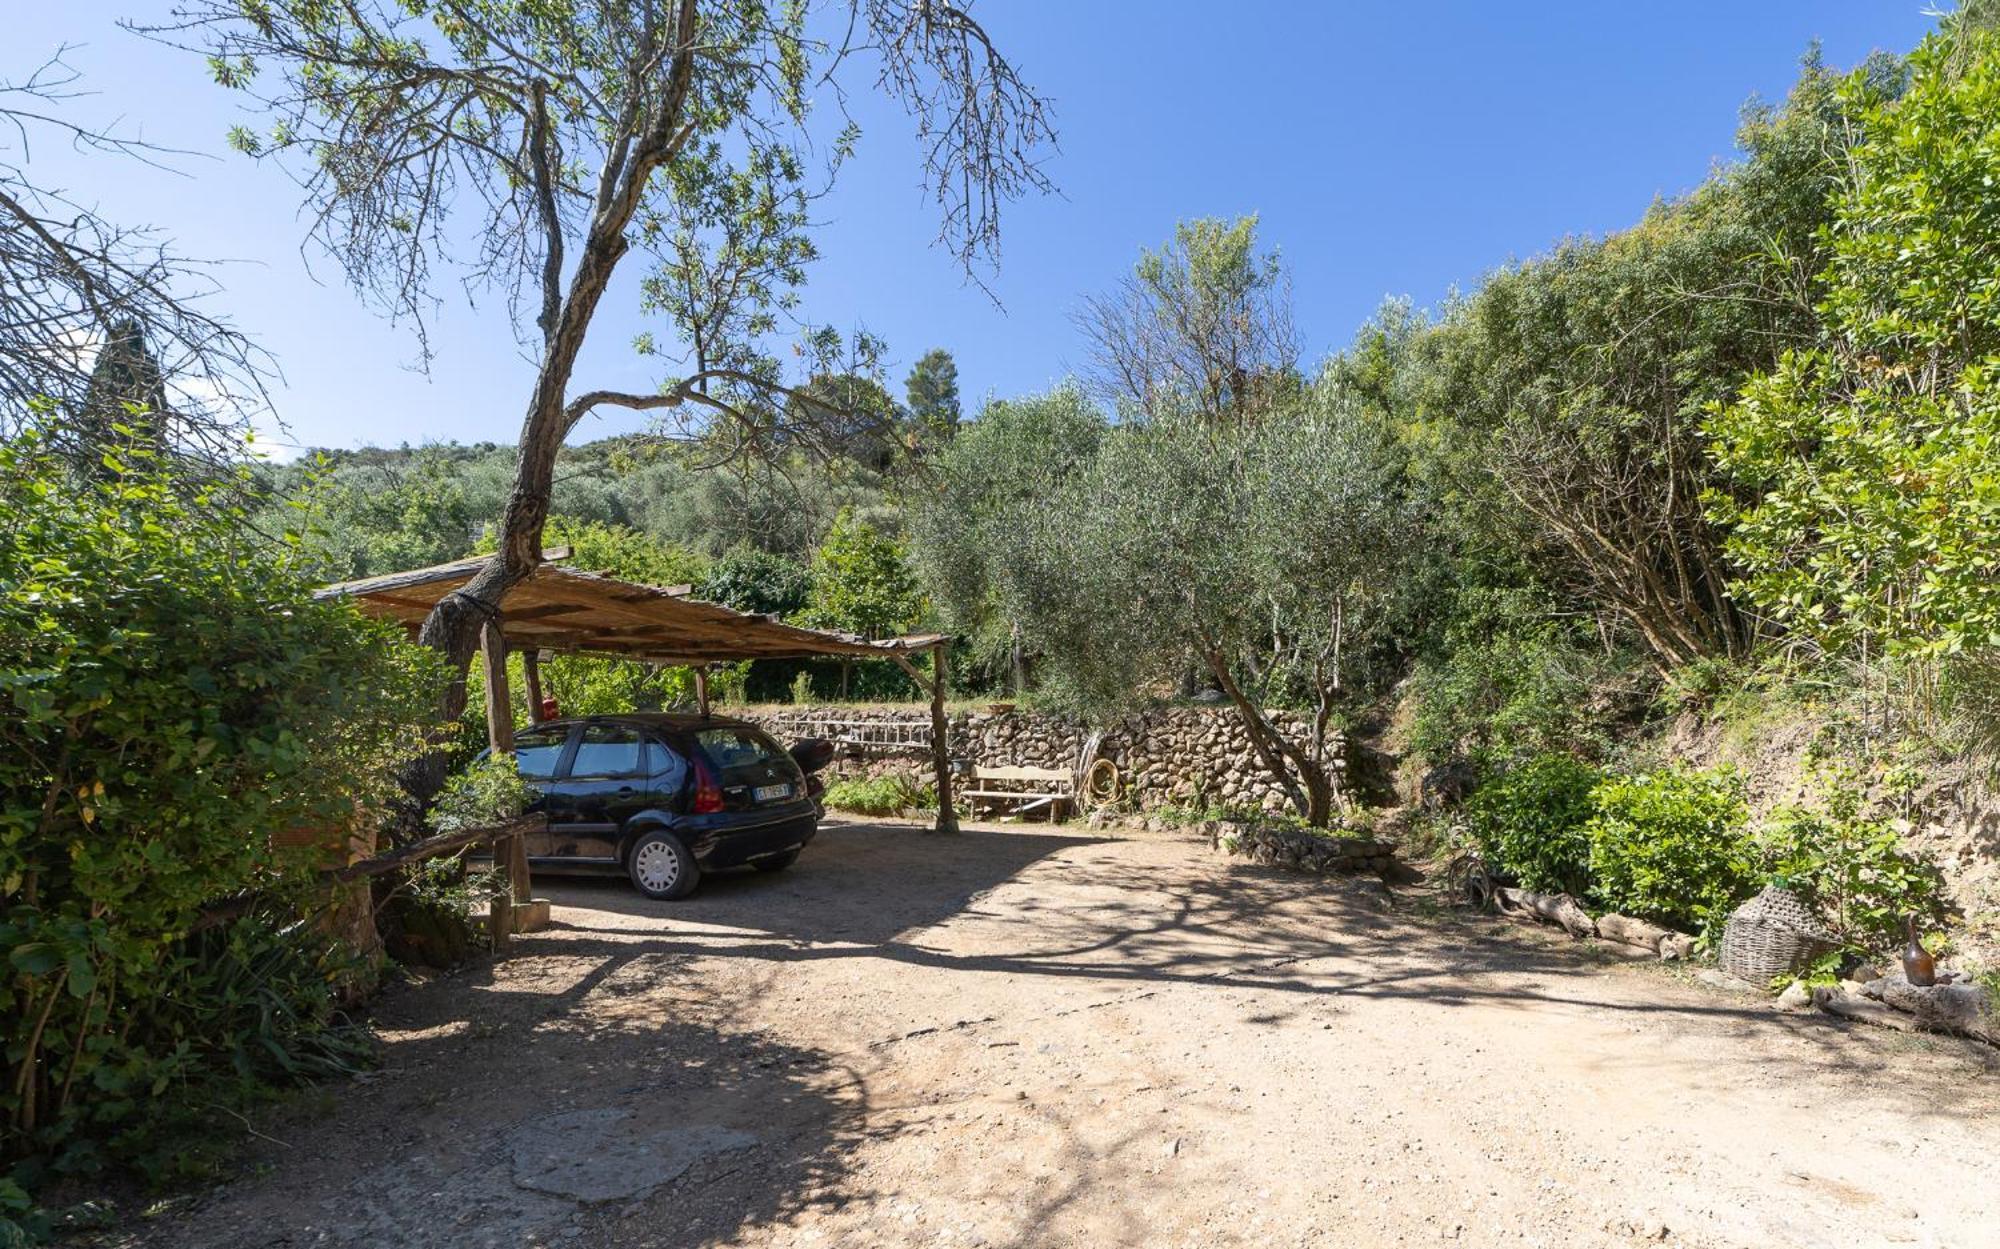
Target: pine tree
<point>932,388</point>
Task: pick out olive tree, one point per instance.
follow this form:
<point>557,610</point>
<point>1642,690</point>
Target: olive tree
<point>967,534</point>
<point>529,146</point>
<point>1242,549</point>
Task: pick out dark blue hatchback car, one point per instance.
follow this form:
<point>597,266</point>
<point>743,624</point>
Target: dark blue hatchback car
<point>662,797</point>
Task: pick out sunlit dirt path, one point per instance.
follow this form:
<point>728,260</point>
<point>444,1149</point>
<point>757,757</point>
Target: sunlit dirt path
<point>1034,1038</point>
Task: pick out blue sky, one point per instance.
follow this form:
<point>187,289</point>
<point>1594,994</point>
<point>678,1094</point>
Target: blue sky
<point>1390,150</point>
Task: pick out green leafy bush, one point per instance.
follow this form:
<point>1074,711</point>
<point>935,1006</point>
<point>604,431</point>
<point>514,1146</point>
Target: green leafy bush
<point>1509,683</point>
<point>488,792</point>
<point>881,795</point>
<point>1672,846</point>
<point>1863,520</point>
<point>1854,871</point>
<point>172,698</point>
<point>1530,821</point>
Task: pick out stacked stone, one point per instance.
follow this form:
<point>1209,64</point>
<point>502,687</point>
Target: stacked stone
<point>1280,845</point>
<point>1166,756</point>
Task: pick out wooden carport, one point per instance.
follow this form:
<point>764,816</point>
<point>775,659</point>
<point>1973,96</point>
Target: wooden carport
<point>564,610</point>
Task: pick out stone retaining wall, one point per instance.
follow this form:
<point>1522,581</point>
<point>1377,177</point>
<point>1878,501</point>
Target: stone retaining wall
<point>1166,756</point>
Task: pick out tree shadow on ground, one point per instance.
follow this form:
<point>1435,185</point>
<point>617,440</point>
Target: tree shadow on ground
<point>611,1041</point>
<point>511,1117</point>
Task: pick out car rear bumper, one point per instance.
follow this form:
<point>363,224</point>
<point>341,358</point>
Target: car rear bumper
<point>734,847</point>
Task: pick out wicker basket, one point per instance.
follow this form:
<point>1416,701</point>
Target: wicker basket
<point>1771,935</point>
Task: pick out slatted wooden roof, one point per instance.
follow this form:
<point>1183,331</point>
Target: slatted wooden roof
<point>563,609</point>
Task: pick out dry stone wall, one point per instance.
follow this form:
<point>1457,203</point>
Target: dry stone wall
<point>1165,756</point>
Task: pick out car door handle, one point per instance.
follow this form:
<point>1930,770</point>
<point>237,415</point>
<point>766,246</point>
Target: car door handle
<point>627,789</point>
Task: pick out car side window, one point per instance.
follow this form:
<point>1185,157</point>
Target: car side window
<point>665,765</point>
<point>608,752</point>
<point>536,752</point>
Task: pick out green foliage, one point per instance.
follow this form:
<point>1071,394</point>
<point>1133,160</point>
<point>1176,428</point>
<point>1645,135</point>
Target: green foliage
<point>1506,681</point>
<point>1529,822</point>
<point>893,794</point>
<point>1854,870</point>
<point>862,582</point>
<point>406,513</point>
<point>757,581</point>
<point>968,543</point>
<point>618,551</point>
<point>1672,846</point>
<point>486,793</point>
<point>802,689</point>
<point>174,697</point>
<point>1201,329</point>
<point>1872,525</point>
<point>1559,406</point>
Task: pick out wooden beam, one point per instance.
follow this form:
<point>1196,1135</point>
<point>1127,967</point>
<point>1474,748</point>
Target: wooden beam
<point>531,679</point>
<point>916,674</point>
<point>701,689</point>
<point>457,570</point>
<point>947,815</point>
<point>510,852</point>
<point>499,712</point>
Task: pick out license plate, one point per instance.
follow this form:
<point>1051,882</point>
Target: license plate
<point>771,793</point>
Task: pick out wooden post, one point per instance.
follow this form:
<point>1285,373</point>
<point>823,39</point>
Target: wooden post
<point>510,853</point>
<point>947,817</point>
<point>531,678</point>
<point>701,688</point>
<point>499,711</point>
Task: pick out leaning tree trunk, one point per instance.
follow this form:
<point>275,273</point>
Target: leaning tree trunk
<point>453,625</point>
<point>1302,778</point>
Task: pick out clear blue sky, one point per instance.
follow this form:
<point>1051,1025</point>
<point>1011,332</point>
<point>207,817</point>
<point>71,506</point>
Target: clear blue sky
<point>1391,150</point>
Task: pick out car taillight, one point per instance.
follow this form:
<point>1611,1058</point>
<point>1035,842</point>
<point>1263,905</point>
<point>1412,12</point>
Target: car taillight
<point>707,791</point>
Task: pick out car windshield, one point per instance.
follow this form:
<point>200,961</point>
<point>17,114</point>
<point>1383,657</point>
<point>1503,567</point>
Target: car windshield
<point>743,756</point>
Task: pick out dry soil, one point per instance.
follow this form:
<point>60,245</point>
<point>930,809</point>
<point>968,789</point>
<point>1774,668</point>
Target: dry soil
<point>1031,1037</point>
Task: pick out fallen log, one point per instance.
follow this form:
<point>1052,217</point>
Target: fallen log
<point>1967,1009</point>
<point>1837,1001</point>
<point>1556,908</point>
<point>1628,931</point>
<point>1663,942</point>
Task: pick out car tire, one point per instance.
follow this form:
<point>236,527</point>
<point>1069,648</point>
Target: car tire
<point>777,862</point>
<point>661,867</point>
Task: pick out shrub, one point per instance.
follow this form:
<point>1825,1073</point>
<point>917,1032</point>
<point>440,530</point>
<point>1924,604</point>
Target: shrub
<point>171,698</point>
<point>1672,846</point>
<point>1853,870</point>
<point>1529,822</point>
<point>488,792</point>
<point>1509,684</point>
<point>881,795</point>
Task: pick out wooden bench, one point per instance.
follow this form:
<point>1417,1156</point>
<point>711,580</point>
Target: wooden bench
<point>1021,790</point>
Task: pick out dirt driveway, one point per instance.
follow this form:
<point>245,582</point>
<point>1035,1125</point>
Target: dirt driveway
<point>1030,1038</point>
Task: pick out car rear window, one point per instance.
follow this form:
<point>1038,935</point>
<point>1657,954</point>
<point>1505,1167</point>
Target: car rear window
<point>741,755</point>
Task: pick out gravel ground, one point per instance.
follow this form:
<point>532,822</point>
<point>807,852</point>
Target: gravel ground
<point>1028,1037</point>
